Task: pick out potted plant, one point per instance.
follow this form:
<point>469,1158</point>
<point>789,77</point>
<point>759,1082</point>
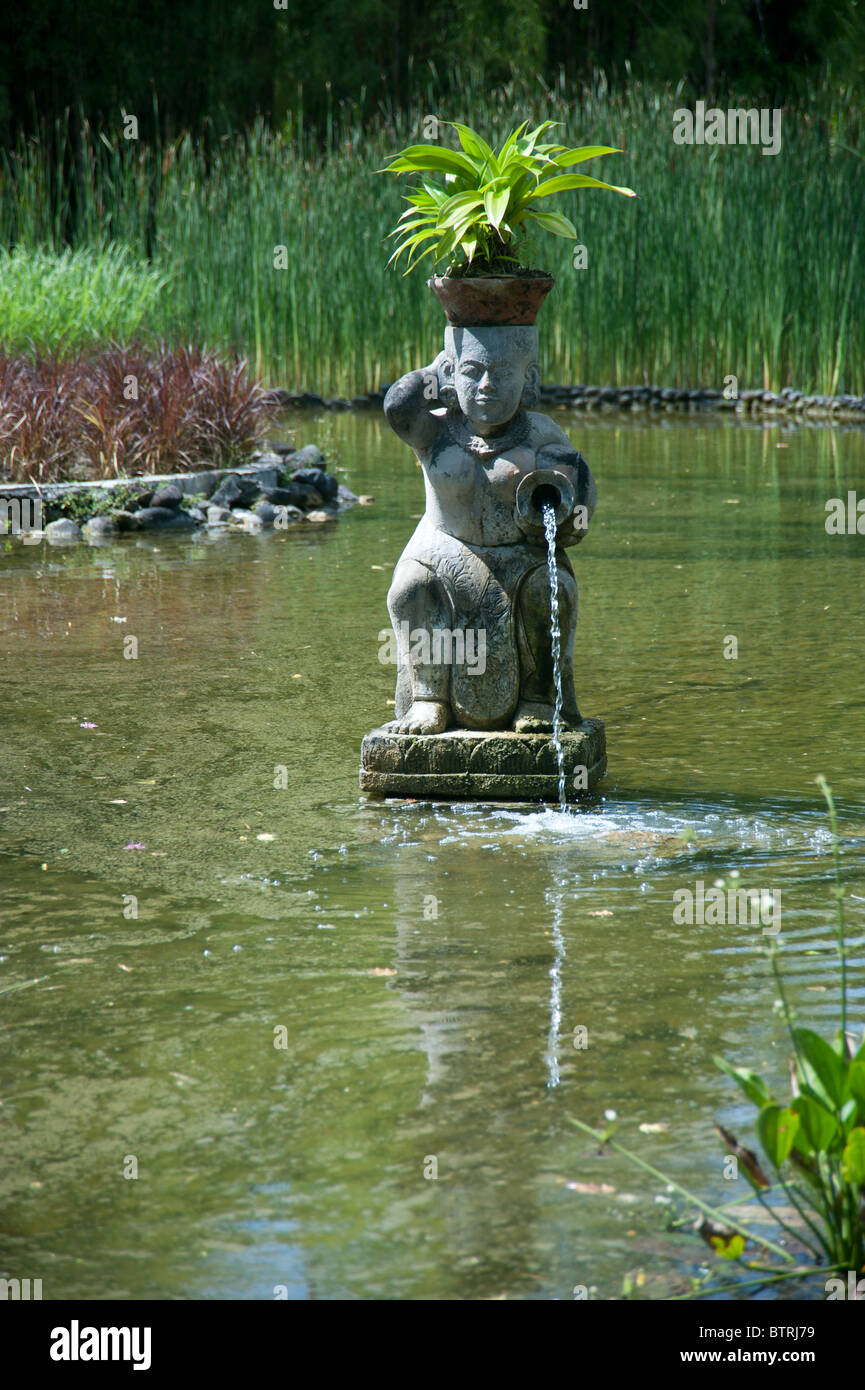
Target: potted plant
<point>479,220</point>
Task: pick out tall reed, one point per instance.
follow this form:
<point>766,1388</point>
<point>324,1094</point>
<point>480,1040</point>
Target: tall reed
<point>730,262</point>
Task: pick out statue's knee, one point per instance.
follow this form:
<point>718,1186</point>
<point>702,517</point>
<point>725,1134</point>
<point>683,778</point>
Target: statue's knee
<point>409,578</point>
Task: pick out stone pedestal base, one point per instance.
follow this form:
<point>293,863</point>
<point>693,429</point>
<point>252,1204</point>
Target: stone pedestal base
<point>466,765</point>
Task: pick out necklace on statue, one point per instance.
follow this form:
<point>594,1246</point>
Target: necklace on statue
<point>486,448</point>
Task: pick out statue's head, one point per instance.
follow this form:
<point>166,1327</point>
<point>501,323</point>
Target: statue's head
<point>490,373</point>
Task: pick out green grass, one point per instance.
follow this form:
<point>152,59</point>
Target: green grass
<point>728,263</point>
<point>74,299</point>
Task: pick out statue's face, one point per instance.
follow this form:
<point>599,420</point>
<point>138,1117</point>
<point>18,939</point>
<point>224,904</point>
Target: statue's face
<point>488,389</point>
<point>490,370</point>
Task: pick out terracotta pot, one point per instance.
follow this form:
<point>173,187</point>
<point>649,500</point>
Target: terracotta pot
<point>489,301</point>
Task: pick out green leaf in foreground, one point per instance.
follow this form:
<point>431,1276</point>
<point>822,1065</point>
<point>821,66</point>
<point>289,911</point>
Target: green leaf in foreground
<point>753,1085</point>
<point>777,1130</point>
<point>853,1158</point>
<point>818,1125</point>
<point>823,1069</point>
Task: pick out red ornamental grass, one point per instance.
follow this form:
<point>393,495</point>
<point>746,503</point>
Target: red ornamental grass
<point>126,410</point>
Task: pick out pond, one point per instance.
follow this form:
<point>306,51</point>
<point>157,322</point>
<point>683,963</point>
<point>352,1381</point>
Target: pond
<point>281,1003</point>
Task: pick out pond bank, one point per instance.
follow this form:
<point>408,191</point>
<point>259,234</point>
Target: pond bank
<point>787,402</point>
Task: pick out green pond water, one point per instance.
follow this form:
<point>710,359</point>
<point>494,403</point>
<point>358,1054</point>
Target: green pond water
<point>410,1036</point>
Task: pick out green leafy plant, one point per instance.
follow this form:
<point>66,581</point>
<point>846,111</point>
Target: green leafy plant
<point>490,201</point>
<point>814,1140</point>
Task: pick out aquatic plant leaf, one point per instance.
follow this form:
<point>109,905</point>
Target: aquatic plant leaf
<point>803,1163</point>
<point>753,1085</point>
<point>746,1158</point>
<point>725,1242</point>
<point>856,1085</point>
<point>777,1129</point>
<point>824,1071</point>
<point>730,1248</point>
<point>853,1158</point>
<point>819,1125</point>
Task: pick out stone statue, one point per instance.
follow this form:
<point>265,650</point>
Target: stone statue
<point>477,562</point>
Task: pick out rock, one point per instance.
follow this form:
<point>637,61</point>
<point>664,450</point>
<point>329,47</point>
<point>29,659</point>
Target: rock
<point>278,397</point>
<point>218,516</point>
<point>126,521</point>
<point>266,511</point>
<point>234,492</point>
<point>310,456</point>
<point>282,449</point>
<point>366,500</point>
<point>320,515</point>
<point>63,530</point>
<point>142,500</point>
<point>267,459</point>
<point>304,496</point>
<point>102,526</point>
<point>346,498</point>
<point>168,496</point>
<point>197,514</point>
<point>281,496</point>
<point>165,519</point>
<point>287,516</point>
<point>248,520</point>
<point>324,483</point>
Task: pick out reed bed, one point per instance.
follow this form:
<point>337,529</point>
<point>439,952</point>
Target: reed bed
<point>730,262</point>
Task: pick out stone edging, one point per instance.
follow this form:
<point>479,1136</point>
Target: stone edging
<point>787,403</point>
<point>279,489</point>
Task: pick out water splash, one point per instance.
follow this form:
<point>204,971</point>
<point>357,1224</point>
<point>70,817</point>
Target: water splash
<point>555,631</point>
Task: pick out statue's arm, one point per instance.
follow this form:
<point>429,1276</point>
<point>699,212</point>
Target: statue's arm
<point>571,462</point>
<point>408,404</point>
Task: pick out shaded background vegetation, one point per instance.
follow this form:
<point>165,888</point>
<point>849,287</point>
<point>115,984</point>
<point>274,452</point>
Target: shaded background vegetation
<point>181,64</point>
<point>262,127</point>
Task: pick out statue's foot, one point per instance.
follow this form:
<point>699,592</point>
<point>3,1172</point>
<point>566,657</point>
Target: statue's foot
<point>536,717</point>
<point>533,717</point>
<point>423,717</point>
